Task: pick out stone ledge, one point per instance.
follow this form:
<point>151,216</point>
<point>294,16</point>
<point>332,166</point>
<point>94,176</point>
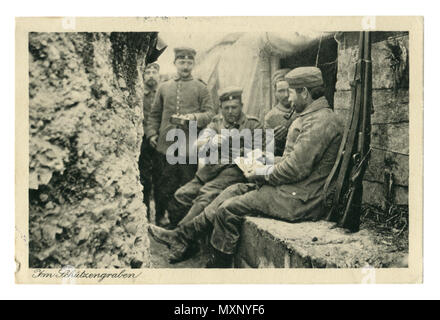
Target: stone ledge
<point>268,243</point>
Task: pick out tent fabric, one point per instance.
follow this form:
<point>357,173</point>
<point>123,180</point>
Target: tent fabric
<point>287,44</point>
<point>248,60</point>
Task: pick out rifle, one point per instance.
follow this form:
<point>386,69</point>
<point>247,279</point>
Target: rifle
<point>343,188</point>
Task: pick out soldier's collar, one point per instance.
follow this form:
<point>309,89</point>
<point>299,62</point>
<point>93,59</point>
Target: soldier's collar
<point>242,118</point>
<point>282,108</point>
<point>237,124</point>
<point>316,105</point>
<point>177,78</point>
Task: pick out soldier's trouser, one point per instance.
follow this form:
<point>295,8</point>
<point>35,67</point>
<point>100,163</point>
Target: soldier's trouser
<point>169,179</point>
<point>191,199</point>
<point>183,200</point>
<point>228,210</point>
<point>145,171</point>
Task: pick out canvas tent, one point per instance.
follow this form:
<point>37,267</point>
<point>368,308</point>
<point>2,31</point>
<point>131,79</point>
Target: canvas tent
<point>249,60</point>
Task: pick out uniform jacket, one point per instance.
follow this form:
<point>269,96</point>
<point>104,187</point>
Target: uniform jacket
<point>178,96</point>
<point>210,171</point>
<point>273,119</point>
<point>312,146</point>
<point>148,102</point>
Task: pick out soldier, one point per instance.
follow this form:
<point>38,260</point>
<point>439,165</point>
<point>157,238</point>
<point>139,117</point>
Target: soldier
<point>151,81</point>
<point>290,190</point>
<point>188,98</point>
<point>210,180</point>
<point>281,116</point>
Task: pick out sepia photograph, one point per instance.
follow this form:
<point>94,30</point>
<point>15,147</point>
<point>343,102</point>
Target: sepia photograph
<point>273,150</point>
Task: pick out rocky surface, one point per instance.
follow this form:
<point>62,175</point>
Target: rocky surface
<point>85,117</point>
<point>268,243</point>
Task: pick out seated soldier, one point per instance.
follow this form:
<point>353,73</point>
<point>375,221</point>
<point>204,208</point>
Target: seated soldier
<point>192,198</point>
<point>281,116</point>
<point>290,190</point>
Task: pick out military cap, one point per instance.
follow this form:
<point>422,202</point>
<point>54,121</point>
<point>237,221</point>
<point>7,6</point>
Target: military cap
<point>279,75</point>
<point>230,93</point>
<point>153,65</point>
<point>184,53</point>
<point>301,77</point>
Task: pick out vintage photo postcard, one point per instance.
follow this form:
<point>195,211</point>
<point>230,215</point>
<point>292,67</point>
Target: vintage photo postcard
<point>207,150</point>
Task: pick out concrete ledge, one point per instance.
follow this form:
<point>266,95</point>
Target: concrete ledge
<point>268,243</point>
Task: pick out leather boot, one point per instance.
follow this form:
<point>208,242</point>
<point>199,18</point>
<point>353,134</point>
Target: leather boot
<point>194,228</point>
<point>195,210</point>
<point>219,260</point>
<point>181,240</point>
<point>191,231</point>
<point>176,211</point>
<point>170,238</point>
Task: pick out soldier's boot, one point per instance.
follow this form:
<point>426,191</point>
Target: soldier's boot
<point>166,237</point>
<point>219,260</point>
<point>176,211</point>
<point>196,209</point>
<point>190,232</point>
<point>175,217</point>
<point>181,240</point>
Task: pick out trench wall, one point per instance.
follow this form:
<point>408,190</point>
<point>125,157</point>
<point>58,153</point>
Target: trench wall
<point>85,120</point>
<point>386,179</point>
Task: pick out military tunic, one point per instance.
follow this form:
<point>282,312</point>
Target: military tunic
<point>149,96</point>
<point>178,96</point>
<point>293,191</point>
<point>147,151</point>
<point>212,179</point>
<point>175,96</point>
<point>210,171</point>
<point>276,117</point>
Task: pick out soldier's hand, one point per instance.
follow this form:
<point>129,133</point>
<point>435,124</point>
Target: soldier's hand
<point>254,174</point>
<point>153,141</point>
<point>218,139</point>
<point>280,131</point>
<point>189,116</point>
<point>249,174</point>
<point>253,177</point>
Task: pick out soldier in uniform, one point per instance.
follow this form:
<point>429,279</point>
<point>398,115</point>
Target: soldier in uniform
<point>289,190</point>
<point>212,179</point>
<point>281,116</point>
<point>181,96</point>
<point>151,81</point>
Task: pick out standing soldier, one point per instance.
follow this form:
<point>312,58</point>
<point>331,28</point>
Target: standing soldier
<point>281,116</point>
<point>189,99</point>
<point>151,81</point>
